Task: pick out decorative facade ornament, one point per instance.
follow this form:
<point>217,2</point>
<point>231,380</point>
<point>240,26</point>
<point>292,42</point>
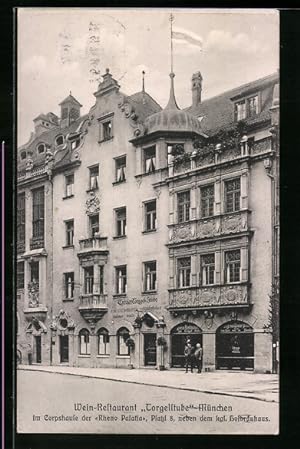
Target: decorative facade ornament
<point>92,204</point>
<point>208,318</point>
<point>62,322</point>
<point>139,181</point>
<point>29,164</point>
<point>131,115</point>
<point>182,232</point>
<point>33,294</point>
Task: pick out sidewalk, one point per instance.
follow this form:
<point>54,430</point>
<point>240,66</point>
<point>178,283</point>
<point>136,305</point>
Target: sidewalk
<point>263,387</point>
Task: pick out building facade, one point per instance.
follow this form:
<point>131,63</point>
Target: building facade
<point>138,227</point>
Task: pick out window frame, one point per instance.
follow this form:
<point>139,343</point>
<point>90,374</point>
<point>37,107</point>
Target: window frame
<point>103,121</point>
<point>21,218</point>
<point>67,285</point>
<point>208,269</point>
<point>117,160</point>
<point>68,194</point>
<point>88,280</point>
<point>121,333</point>
<point>38,213</point>
<point>236,199</point>
<point>120,221</point>
<point>106,344</point>
<point>35,267</point>
<point>184,280</point>
<point>93,177</point>
<point>95,225</point>
<point>207,209</point>
<point>152,215</point>
<point>84,344</point>
<point>152,273</point>
<point>67,231</point>
<point>120,284</point>
<point>152,167</point>
<point>186,210</point>
<point>60,136</point>
<point>20,275</point>
<point>234,265</point>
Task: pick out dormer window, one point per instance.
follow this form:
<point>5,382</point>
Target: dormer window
<point>240,110</point>
<point>253,106</point>
<point>23,155</point>
<point>59,140</point>
<point>41,148</point>
<point>149,159</point>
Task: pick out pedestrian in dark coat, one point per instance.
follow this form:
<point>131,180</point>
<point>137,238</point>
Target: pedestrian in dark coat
<point>198,357</point>
<point>188,354</point>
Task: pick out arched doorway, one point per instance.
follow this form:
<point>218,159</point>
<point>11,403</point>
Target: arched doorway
<point>179,335</point>
<point>235,346</point>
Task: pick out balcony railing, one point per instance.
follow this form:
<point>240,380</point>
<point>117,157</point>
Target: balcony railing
<point>95,243</point>
<point>93,301</point>
<point>210,227</point>
<point>216,296</point>
<point>37,242</point>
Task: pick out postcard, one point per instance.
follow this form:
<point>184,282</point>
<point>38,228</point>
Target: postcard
<point>147,241</point>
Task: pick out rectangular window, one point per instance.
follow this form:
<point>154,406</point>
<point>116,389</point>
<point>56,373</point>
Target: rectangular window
<point>149,159</point>
<point>69,232</point>
<point>34,272</point>
<point>69,285</point>
<point>120,222</point>
<point>253,106</point>
<point>208,269</point>
<point>38,213</point>
<point>121,279</point>
<point>150,276</point>
<point>120,169</point>
<point>88,280</point>
<point>21,220</point>
<point>101,279</point>
<point>150,215</point>
<point>20,275</point>
<point>240,110</point>
<point>94,224</point>
<point>207,200</point>
<point>232,266</point>
<point>183,206</point>
<point>84,340</point>
<point>232,195</point>
<point>94,177</point>
<point>69,185</point>
<point>184,272</point>
<point>103,342</point>
<point>107,130</point>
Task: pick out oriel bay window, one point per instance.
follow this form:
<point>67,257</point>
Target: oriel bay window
<point>150,215</point>
<point>184,272</point>
<point>208,269</point>
<point>69,232</point>
<point>84,342</point>
<point>20,275</point>
<point>94,177</point>
<point>252,106</point>
<point>150,276</point>
<point>120,215</point>
<point>149,159</point>
<point>232,195</point>
<point>232,266</point>
<point>38,213</point>
<point>207,200</point>
<point>88,280</point>
<point>120,169</point>
<point>183,206</point>
<point>103,342</point>
<point>21,221</point>
<point>122,337</point>
<point>69,285</point>
<point>121,279</point>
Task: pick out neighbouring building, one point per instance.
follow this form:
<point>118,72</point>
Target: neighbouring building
<point>139,227</point>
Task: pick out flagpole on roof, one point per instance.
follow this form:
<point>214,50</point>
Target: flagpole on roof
<point>171,31</point>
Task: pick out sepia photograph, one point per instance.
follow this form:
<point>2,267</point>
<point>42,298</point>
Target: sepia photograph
<point>147,221</point>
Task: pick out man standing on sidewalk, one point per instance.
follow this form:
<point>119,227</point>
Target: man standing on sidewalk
<point>188,356</point>
<point>198,357</point>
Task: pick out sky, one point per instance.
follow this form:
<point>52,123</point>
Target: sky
<point>64,49</point>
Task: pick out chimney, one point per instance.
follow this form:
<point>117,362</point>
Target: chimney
<point>196,89</point>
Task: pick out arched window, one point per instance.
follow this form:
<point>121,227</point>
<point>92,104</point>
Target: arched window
<point>59,140</point>
<point>122,336</point>
<point>23,155</point>
<point>84,342</point>
<point>103,342</point>
<point>41,148</point>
